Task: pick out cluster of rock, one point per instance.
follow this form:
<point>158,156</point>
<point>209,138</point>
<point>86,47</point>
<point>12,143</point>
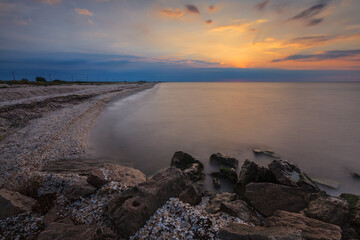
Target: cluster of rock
<point>117,202</point>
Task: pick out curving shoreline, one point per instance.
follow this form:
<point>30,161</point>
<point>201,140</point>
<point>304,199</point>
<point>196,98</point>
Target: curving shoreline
<point>46,193</point>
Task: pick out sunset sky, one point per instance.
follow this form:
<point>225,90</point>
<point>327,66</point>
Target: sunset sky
<point>119,37</point>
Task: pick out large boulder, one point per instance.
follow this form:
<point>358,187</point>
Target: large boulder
<point>252,172</point>
<point>240,209</point>
<point>118,173</point>
<point>269,197</point>
<point>224,160</point>
<point>289,174</point>
<point>131,209</point>
<point>14,203</point>
<point>329,209</point>
<point>214,204</point>
<point>68,231</point>
<point>311,228</point>
<point>236,231</point>
<point>192,168</point>
<point>79,189</point>
<point>190,195</point>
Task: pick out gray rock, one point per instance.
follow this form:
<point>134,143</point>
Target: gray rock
<point>111,172</point>
<point>240,209</point>
<point>14,203</point>
<point>289,174</point>
<point>311,228</point>
<point>224,160</point>
<point>329,209</point>
<point>252,172</point>
<point>265,152</point>
<point>215,201</point>
<point>236,231</point>
<point>131,209</point>
<point>192,168</point>
<point>269,197</point>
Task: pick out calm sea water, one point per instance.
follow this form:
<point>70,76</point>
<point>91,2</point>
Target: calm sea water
<point>315,125</point>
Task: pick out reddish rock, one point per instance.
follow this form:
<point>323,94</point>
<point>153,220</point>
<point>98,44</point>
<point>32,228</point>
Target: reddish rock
<point>311,228</point>
<point>14,203</point>
<point>269,197</point>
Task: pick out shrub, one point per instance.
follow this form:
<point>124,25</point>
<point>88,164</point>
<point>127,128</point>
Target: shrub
<point>40,79</point>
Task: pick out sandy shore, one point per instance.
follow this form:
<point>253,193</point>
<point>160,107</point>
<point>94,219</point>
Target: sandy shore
<point>44,124</point>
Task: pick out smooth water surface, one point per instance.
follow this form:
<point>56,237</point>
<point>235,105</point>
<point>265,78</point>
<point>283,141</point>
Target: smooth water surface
<point>315,125</point>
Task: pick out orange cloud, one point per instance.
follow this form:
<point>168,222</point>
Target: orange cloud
<point>90,21</point>
<point>169,12</point>
<point>83,11</point>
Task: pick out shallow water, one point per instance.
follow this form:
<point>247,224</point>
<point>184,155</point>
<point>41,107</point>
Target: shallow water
<point>315,125</point>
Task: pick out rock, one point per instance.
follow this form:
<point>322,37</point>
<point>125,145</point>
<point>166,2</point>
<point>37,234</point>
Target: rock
<point>236,231</point>
<point>79,189</point>
<point>131,209</point>
<point>190,195</point>
<point>224,160</point>
<point>355,175</point>
<point>329,209</point>
<point>14,203</point>
<point>56,214</point>
<point>354,209</point>
<point>240,209</point>
<point>289,174</point>
<point>192,168</point>
<point>68,231</point>
<point>311,228</point>
<point>213,205</point>
<point>118,173</point>
<point>327,182</point>
<point>229,173</point>
<point>269,197</point>
<point>265,152</point>
<point>216,182</point>
<point>252,172</point>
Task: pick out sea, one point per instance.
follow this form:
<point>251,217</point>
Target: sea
<point>314,125</point>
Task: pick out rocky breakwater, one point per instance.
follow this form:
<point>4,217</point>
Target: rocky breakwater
<point>118,202</point>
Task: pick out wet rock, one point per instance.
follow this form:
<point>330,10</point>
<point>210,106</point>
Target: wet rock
<point>224,160</point>
<point>79,189</point>
<point>192,168</point>
<point>355,175</point>
<point>241,210</point>
<point>269,197</point>
<point>118,173</point>
<point>265,152</point>
<point>354,209</point>
<point>216,182</point>
<point>215,201</point>
<point>237,231</point>
<point>252,172</point>
<point>190,195</point>
<point>329,209</point>
<point>327,182</point>
<point>131,209</point>
<point>311,228</point>
<point>68,231</point>
<point>13,203</point>
<point>229,173</point>
<point>289,174</point>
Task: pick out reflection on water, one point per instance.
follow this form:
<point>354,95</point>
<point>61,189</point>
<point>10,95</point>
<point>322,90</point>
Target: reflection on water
<point>315,125</point>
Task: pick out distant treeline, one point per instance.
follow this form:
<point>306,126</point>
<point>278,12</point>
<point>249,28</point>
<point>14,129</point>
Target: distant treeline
<point>41,81</point>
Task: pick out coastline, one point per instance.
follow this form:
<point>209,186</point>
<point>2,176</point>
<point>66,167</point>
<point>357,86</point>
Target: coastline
<point>59,131</point>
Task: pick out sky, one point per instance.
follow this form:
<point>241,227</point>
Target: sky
<point>181,40</point>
